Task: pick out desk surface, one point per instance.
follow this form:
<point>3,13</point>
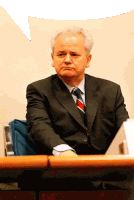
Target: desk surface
<point>23,162</point>
<point>42,162</point>
<point>96,161</point>
<point>95,167</point>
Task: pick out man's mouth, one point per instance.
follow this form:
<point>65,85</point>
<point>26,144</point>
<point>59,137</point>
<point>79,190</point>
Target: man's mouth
<point>67,68</point>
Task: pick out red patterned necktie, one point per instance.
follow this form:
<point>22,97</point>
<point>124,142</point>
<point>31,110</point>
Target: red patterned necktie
<point>80,104</point>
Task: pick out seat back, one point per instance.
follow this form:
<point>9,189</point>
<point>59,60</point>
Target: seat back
<point>22,145</point>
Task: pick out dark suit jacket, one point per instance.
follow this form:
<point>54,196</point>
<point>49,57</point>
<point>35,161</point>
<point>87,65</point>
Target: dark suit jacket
<point>53,118</point>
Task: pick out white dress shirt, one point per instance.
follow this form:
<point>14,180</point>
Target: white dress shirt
<point>64,147</point>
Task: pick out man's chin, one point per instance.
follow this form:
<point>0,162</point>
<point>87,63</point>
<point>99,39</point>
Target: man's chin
<point>67,74</point>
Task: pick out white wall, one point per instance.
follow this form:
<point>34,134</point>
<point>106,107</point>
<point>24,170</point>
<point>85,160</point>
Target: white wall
<point>23,61</point>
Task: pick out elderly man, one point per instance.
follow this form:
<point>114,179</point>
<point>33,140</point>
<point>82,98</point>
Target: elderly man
<point>72,113</point>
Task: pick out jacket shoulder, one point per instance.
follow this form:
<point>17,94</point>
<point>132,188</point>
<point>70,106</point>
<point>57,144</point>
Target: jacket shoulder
<point>102,82</point>
<point>46,82</point>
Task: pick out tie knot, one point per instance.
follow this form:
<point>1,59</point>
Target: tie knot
<point>77,92</point>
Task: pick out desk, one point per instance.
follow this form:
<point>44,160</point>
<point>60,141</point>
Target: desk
<point>94,167</point>
<point>54,172</point>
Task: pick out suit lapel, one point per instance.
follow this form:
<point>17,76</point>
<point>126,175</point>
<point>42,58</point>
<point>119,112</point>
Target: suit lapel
<point>65,98</point>
<point>92,99</point>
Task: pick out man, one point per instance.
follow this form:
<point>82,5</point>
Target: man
<point>54,120</point>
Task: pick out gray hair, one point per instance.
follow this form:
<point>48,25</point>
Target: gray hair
<point>88,37</point>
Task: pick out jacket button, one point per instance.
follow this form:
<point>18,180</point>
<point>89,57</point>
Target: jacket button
<point>85,140</point>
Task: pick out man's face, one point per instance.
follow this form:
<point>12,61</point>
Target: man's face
<point>69,57</point>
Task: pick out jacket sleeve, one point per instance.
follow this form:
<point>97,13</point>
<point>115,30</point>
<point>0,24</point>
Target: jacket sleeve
<point>38,121</point>
<point>121,112</point>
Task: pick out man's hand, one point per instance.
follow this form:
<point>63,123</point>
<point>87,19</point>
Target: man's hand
<point>68,153</point>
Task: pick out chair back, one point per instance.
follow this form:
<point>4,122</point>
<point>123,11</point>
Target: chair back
<point>22,145</point>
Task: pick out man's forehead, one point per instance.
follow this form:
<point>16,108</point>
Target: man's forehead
<point>64,51</point>
<point>70,37</point>
<point>69,47</point>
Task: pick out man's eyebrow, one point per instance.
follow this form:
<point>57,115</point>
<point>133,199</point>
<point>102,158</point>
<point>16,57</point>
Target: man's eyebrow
<point>61,51</point>
<point>70,52</point>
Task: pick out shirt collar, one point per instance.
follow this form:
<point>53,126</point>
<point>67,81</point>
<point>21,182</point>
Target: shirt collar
<point>81,86</point>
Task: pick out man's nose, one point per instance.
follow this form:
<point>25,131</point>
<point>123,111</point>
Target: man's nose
<point>68,58</point>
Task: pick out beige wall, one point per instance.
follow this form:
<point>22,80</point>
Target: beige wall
<point>23,61</point>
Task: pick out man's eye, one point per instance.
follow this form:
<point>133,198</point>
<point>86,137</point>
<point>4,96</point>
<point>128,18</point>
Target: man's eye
<point>61,54</point>
<point>74,54</point>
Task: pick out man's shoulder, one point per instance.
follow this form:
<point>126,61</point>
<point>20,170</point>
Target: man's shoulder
<point>46,82</point>
<point>101,82</point>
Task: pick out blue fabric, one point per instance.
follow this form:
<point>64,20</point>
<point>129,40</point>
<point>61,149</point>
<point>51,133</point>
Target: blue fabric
<point>22,145</point>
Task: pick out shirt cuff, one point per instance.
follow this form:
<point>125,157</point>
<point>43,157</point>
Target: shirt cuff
<point>60,148</point>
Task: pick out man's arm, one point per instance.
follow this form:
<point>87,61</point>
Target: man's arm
<point>40,125</point>
<point>38,120</point>
<point>121,112</point>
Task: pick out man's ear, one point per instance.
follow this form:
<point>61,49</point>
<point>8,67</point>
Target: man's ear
<point>89,57</point>
<point>52,56</point>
